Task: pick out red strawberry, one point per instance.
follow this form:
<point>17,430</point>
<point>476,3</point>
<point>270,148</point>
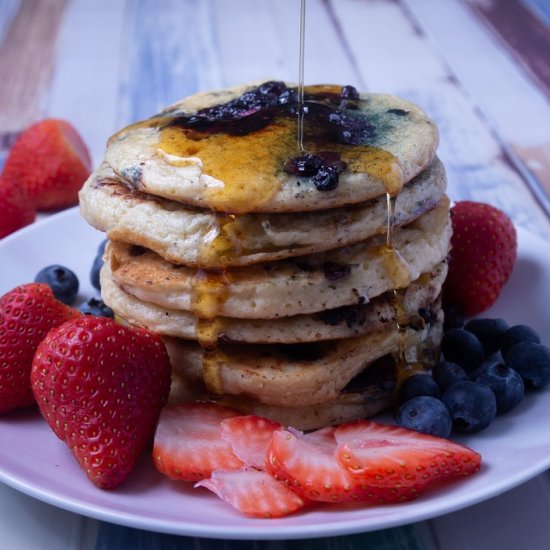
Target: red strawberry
<point>101,387</point>
<point>15,209</point>
<point>188,443</point>
<point>366,462</point>
<point>391,456</point>
<point>253,492</point>
<point>483,253</point>
<point>308,464</point>
<point>27,313</point>
<point>51,162</point>
<point>249,437</point>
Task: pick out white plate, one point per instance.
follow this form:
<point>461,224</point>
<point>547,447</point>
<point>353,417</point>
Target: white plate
<point>515,448</point>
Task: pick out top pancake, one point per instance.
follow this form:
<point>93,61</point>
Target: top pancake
<point>240,163</point>
<point>197,237</point>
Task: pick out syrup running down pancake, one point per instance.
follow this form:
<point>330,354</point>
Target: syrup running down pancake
<point>297,278</point>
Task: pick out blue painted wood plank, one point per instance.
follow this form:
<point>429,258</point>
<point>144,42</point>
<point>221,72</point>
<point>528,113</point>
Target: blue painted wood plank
<point>169,53</point>
<point>540,8</point>
<point>8,9</point>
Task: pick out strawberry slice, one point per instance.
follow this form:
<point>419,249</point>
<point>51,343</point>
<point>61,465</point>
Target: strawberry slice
<point>308,464</point>
<point>249,437</point>
<point>391,456</point>
<point>188,444</point>
<point>253,492</point>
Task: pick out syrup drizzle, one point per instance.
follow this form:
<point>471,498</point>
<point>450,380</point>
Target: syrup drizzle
<point>234,159</point>
<point>209,293</point>
<point>211,287</point>
<point>398,269</point>
<point>301,111</point>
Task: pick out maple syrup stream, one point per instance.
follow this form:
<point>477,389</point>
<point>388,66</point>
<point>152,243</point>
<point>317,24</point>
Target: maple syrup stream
<point>226,159</point>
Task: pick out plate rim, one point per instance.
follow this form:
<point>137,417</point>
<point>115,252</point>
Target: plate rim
<point>259,529</point>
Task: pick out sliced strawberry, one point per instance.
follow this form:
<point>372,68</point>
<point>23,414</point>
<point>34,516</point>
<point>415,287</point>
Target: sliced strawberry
<point>253,492</point>
<point>391,456</point>
<point>249,437</point>
<point>188,443</point>
<point>307,463</point>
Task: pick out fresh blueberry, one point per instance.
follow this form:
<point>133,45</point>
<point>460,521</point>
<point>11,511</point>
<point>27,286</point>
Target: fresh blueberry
<point>489,332</point>
<point>425,414</point>
<point>62,281</point>
<point>506,384</point>
<point>516,334</point>
<point>463,348</point>
<point>97,308</point>
<point>417,385</point>
<point>473,406</point>
<point>97,265</point>
<point>532,361</point>
<point>446,373</point>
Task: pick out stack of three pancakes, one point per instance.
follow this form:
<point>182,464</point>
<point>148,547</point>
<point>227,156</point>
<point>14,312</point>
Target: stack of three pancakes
<point>293,270</point>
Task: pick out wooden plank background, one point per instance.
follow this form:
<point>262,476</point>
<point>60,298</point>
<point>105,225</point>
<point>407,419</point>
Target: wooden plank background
<point>480,68</point>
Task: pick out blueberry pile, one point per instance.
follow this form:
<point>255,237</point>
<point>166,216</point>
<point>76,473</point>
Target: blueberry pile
<point>263,98</point>
<point>485,370</point>
<point>329,118</point>
<point>64,284</point>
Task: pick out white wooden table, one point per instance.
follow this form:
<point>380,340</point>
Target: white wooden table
<point>480,68</point>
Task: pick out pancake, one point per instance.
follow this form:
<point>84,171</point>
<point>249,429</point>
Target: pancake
<point>344,322</point>
<point>346,276</point>
<point>371,392</point>
<point>290,256</point>
<point>234,158</point>
<point>296,374</point>
<point>375,394</point>
<point>195,237</point>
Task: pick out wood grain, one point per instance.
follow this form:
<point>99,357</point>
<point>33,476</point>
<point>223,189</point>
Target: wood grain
<point>26,55</point>
<point>525,36</point>
<point>408,62</point>
<point>514,113</point>
<point>86,86</point>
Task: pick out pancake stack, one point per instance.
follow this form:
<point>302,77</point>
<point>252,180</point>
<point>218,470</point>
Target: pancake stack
<point>291,255</point>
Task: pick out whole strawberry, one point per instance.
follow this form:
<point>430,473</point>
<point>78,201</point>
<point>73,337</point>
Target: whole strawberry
<point>27,314</point>
<point>15,208</point>
<point>483,254</point>
<point>101,387</point>
<point>50,162</point>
